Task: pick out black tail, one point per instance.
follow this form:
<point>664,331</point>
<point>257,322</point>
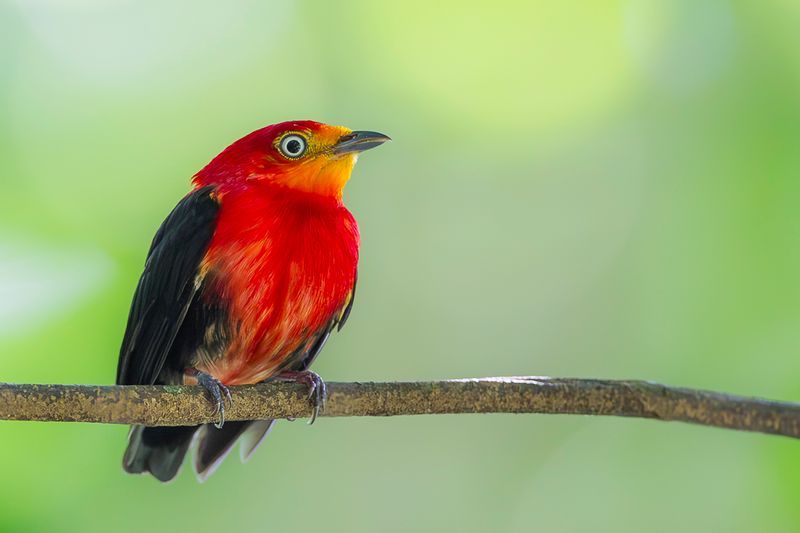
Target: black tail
<point>161,450</point>
<point>158,450</point>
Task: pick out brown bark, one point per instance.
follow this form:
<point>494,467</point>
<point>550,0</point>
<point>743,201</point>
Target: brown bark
<point>184,405</point>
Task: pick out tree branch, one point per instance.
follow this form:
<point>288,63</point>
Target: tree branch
<point>188,405</point>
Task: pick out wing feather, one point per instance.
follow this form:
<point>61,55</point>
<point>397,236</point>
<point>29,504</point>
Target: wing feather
<point>167,287</point>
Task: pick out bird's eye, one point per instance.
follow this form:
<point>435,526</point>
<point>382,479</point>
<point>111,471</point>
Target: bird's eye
<point>293,146</point>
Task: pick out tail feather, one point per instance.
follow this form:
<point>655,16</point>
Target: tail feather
<point>161,450</point>
<point>215,444</point>
<point>158,450</point>
<point>253,437</point>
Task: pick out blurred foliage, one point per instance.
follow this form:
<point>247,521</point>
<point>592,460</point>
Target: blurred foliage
<point>603,189</point>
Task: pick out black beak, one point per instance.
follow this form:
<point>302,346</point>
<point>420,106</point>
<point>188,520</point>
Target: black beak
<point>358,141</point>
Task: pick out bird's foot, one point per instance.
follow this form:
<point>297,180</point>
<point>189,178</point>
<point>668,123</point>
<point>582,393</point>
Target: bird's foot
<point>215,389</point>
<point>317,390</point>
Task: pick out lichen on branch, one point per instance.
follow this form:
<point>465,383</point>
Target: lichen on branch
<point>155,405</point>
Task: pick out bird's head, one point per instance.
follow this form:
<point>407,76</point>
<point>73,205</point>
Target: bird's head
<point>303,155</point>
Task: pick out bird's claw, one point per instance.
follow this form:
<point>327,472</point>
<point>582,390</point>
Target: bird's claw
<point>317,390</point>
<point>215,389</point>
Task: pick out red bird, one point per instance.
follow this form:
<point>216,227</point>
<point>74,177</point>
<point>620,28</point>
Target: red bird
<point>245,280</point>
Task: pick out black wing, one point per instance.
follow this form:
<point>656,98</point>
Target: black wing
<point>349,306</point>
<point>168,285</point>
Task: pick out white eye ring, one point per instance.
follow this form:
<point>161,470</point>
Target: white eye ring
<point>293,146</point>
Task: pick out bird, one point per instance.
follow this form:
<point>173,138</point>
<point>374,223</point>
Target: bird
<point>244,282</point>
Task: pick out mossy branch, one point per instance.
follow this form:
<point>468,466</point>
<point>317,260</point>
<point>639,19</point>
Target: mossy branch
<point>188,405</point>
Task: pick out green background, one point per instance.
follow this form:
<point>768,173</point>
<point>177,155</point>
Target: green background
<point>592,189</point>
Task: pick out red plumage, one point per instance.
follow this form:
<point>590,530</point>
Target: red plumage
<point>285,262</point>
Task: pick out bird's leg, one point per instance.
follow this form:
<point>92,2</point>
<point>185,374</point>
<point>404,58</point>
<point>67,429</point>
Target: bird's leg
<point>317,390</point>
<point>215,388</point>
